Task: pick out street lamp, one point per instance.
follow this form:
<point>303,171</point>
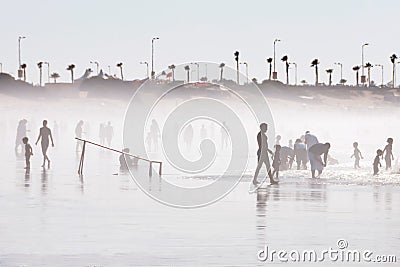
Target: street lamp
<point>247,71</point>
<point>97,65</point>
<point>48,71</point>
<point>198,69</point>
<point>152,56</point>
<point>363,80</point>
<point>147,67</point>
<point>379,65</point>
<point>341,70</point>
<point>275,74</point>
<point>19,56</point>
<point>295,71</point>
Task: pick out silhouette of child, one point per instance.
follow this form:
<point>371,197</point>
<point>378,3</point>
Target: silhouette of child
<point>300,153</point>
<point>277,161</point>
<point>377,162</point>
<point>389,154</point>
<point>28,152</point>
<point>357,155</point>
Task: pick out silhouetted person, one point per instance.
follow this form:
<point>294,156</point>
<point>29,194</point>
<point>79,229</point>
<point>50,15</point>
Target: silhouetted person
<point>28,152</point>
<point>224,136</point>
<point>377,162</point>
<point>109,133</point>
<point>278,140</point>
<point>389,154</point>
<point>291,143</point>
<point>276,163</point>
<point>300,152</point>
<point>102,135</point>
<point>262,154</point>
<point>188,136</point>
<point>154,134</point>
<point>203,132</point>
<point>287,157</point>
<point>126,161</point>
<point>21,133</point>
<point>44,135</point>
<point>78,134</point>
<point>357,155</point>
<point>310,140</point>
<point>315,153</point>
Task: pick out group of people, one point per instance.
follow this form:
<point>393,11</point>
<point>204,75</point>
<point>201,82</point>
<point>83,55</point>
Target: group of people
<point>311,149</point>
<point>45,136</point>
<point>306,148</point>
<point>386,153</point>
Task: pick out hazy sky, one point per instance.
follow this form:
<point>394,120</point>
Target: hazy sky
<point>65,32</point>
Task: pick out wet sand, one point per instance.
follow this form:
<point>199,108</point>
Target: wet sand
<point>56,218</point>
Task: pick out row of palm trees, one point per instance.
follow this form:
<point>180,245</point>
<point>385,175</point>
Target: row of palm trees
<point>316,62</point>
<point>284,59</point>
<point>55,75</point>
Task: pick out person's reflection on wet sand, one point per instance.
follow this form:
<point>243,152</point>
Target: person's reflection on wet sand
<point>27,178</point>
<point>261,216</point>
<point>44,179</point>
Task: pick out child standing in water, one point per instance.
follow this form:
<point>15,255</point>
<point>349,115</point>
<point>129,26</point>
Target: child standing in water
<point>377,162</point>
<point>277,161</point>
<point>28,152</point>
<point>389,155</point>
<point>357,155</point>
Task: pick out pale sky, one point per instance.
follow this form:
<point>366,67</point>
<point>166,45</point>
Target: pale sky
<point>65,32</point>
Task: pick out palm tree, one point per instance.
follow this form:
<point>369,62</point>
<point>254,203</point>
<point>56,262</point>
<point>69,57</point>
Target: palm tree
<point>71,69</point>
<point>285,59</point>
<point>187,68</point>
<point>314,64</point>
<point>172,68</point>
<point>269,60</point>
<point>23,66</point>
<point>119,65</point>
<point>369,66</point>
<point>40,65</point>
<point>393,60</point>
<point>55,76</point>
<point>329,71</point>
<point>356,69</point>
<point>221,66</point>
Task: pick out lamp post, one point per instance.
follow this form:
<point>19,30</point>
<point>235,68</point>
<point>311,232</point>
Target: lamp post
<point>19,56</point>
<point>197,68</point>
<point>341,70</point>
<point>152,57</point>
<point>147,67</point>
<point>363,80</point>
<point>247,71</point>
<point>275,74</point>
<point>97,66</point>
<point>380,65</point>
<point>236,54</point>
<point>48,71</point>
<point>295,72</point>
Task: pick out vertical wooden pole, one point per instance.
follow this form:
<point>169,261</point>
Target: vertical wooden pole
<point>151,169</point>
<point>80,169</point>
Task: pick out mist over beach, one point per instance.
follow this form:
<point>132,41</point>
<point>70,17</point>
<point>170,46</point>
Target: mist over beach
<point>199,133</point>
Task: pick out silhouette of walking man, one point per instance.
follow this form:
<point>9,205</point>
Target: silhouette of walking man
<point>262,154</point>
<point>44,135</point>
